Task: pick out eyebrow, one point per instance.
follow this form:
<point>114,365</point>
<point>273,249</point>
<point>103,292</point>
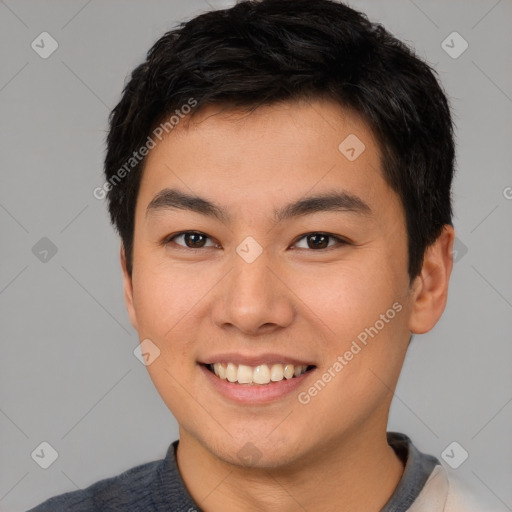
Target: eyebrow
<point>170,199</point>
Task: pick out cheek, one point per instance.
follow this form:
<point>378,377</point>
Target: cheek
<point>161,299</point>
<point>164,304</point>
<point>361,311</point>
<point>349,297</point>
<point>364,345</point>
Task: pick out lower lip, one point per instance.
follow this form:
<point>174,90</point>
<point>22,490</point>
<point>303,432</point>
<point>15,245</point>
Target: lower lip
<point>254,393</point>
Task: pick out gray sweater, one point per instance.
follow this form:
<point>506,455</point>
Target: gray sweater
<point>157,486</point>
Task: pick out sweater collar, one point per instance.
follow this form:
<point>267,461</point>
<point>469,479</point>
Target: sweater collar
<point>423,482</point>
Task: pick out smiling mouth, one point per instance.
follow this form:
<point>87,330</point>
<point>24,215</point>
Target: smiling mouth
<point>257,375</point>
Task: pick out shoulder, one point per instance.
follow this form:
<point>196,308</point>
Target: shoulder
<point>444,492</point>
<point>461,498</point>
<point>134,487</point>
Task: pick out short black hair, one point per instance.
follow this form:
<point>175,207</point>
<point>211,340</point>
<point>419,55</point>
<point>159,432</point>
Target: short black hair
<point>262,52</point>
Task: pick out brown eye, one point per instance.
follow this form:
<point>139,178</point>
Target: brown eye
<point>317,241</point>
<point>192,240</point>
<point>320,241</point>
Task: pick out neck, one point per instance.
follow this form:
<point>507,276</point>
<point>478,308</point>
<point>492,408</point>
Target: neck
<point>358,472</point>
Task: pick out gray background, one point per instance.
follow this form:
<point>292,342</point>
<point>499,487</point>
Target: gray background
<point>68,372</point>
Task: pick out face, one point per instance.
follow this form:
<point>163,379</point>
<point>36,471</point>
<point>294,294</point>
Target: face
<point>240,277</point>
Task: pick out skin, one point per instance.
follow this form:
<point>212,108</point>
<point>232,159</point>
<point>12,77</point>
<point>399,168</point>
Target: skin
<point>330,454</point>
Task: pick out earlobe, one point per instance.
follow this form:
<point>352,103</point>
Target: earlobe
<point>430,289</point>
<point>128,289</point>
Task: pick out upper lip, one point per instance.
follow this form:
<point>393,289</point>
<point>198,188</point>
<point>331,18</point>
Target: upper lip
<point>255,360</point>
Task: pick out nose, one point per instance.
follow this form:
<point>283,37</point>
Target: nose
<point>254,298</point>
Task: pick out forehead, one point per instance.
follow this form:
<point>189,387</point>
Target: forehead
<point>271,154</point>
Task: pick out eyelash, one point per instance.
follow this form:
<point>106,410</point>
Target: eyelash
<point>167,240</point>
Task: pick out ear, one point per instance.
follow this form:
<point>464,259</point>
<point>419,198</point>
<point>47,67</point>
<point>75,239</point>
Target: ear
<point>128,289</point>
<point>430,287</point>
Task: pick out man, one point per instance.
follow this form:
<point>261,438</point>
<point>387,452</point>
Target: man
<point>279,173</point>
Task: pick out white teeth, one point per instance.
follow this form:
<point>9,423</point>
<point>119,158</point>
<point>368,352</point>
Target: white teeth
<point>231,372</point>
<point>219,370</point>
<point>276,372</point>
<point>244,374</point>
<point>261,374</point>
<point>288,371</point>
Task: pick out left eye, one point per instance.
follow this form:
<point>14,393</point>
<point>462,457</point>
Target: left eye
<point>197,240</point>
<point>320,240</point>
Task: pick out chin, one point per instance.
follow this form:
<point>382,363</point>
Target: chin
<point>255,450</point>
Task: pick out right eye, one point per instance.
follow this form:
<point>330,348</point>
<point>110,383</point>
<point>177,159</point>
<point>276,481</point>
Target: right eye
<point>193,240</point>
